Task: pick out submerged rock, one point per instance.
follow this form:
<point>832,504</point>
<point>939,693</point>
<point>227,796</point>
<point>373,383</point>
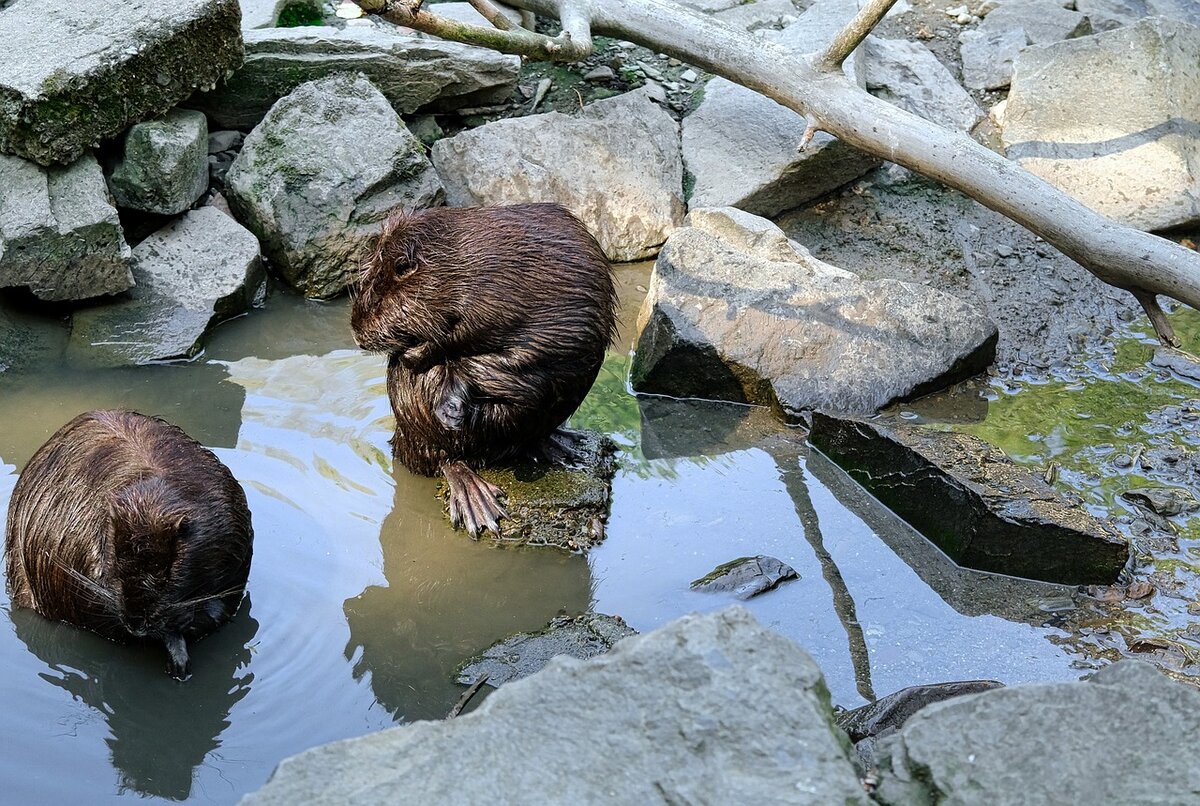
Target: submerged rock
<point>553,505</point>
<point>746,577</point>
<point>580,637</point>
<point>72,74</point>
<point>1110,120</point>
<point>973,502</point>
<point>164,166</point>
<point>738,312</point>
<point>197,271</point>
<point>616,165</point>
<point>59,231</point>
<point>709,709</point>
<point>411,72</point>
<point>1113,739</point>
<point>1164,501</point>
<point>317,177</point>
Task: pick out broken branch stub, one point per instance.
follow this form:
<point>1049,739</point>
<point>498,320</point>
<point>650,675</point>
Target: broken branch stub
<point>814,86</point>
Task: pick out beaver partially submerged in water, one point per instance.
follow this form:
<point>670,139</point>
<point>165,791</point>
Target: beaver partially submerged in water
<point>495,320</point>
<point>124,525</point>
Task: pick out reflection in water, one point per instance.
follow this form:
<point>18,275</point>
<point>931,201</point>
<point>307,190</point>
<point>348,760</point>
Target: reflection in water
<point>448,597</point>
<point>159,730</point>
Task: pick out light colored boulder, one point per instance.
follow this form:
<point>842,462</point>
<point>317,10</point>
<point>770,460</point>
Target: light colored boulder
<point>709,709</point>
<point>1109,14</point>
<point>740,147</point>
<point>411,71</point>
<point>987,56</point>
<point>59,232</point>
<point>164,166</point>
<point>197,271</point>
<point>1042,20</point>
<point>736,311</point>
<point>72,74</point>
<point>761,14</point>
<point>1110,120</point>
<point>908,75</point>
<point>616,165</point>
<point>317,177</point>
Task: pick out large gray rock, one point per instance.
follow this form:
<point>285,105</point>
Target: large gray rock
<point>988,56</point>
<point>1113,739</point>
<point>1111,119</point>
<point>1042,21</point>
<point>410,71</point>
<point>908,75</point>
<point>709,709</point>
<point>59,233</point>
<point>740,147</point>
<point>976,505</point>
<point>164,166</point>
<point>197,271</point>
<point>72,74</point>
<point>616,165</point>
<point>736,311</point>
<point>317,177</point>
<point>1108,14</point>
<point>761,14</point>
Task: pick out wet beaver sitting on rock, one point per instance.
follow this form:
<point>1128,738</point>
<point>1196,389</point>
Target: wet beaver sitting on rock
<point>496,320</point>
<point>124,525</point>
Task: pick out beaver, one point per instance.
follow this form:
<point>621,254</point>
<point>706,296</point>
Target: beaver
<point>496,320</point>
<point>124,525</point>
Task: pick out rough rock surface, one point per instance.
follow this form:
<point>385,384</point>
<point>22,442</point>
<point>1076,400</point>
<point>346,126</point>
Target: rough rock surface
<point>552,505</point>
<point>616,165</point>
<point>318,176</point>
<point>59,233</point>
<point>973,502</point>
<point>1108,14</point>
<point>709,709</point>
<point>736,311</point>
<point>195,272</point>
<point>745,577</point>
<point>74,73</point>
<point>1042,20</point>
<point>164,166</point>
<point>410,71</point>
<point>739,147</point>
<point>908,75</point>
<point>1112,120</point>
<point>520,655</point>
<point>761,14</point>
<point>988,56</point>
<point>1113,739</point>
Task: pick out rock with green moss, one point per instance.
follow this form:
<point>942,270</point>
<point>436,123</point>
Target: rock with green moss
<point>553,505</point>
<point>59,233</point>
<point>164,166</point>
<point>72,74</point>
<point>315,180</point>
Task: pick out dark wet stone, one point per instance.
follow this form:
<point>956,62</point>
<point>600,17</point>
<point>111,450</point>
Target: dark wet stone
<point>1179,362</point>
<point>552,505</point>
<point>746,577</point>
<point>1164,501</point>
<point>973,502</point>
<point>584,636</point>
<point>888,714</point>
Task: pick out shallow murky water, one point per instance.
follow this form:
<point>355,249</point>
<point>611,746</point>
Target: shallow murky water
<point>362,600</point>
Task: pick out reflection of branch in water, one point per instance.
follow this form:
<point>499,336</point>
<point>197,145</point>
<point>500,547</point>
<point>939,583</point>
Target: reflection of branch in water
<point>787,458</point>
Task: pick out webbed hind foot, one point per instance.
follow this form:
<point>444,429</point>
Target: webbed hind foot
<point>562,447</point>
<point>474,502</point>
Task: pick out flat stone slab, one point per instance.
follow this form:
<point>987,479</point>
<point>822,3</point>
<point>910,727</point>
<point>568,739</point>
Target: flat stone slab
<point>72,74</point>
<point>1112,120</point>
<point>197,271</point>
<point>552,505</point>
<point>709,709</point>
<point>736,311</point>
<point>908,75</point>
<point>520,655</point>
<point>59,232</point>
<point>316,179</point>
<point>164,164</point>
<point>616,165</point>
<point>745,577</point>
<point>976,505</point>
<point>412,72</point>
<point>1118,738</point>
<point>988,56</point>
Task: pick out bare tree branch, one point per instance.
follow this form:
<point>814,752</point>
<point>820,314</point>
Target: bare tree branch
<point>491,14</point>
<point>853,34</point>
<point>1136,261</point>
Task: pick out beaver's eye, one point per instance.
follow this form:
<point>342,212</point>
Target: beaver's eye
<point>403,268</point>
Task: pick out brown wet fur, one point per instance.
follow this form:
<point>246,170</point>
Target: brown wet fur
<point>496,321</point>
<point>124,525</point>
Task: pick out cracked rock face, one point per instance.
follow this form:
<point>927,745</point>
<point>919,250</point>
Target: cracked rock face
<point>164,166</point>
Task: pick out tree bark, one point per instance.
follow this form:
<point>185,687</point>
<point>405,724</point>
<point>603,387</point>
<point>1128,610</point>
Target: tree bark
<point>814,86</point>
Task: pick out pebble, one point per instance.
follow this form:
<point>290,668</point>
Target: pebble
<point>602,73</point>
<point>1004,250</point>
<point>689,75</point>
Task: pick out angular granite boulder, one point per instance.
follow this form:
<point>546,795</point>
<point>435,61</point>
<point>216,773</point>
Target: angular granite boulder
<point>164,165</point>
<point>616,165</point>
<point>72,74</point>
<point>738,312</point>
<point>315,180</point>
<point>59,232</point>
<point>973,502</point>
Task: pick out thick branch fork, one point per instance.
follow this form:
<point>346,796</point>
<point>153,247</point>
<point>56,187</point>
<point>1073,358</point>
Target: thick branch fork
<point>814,86</point>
